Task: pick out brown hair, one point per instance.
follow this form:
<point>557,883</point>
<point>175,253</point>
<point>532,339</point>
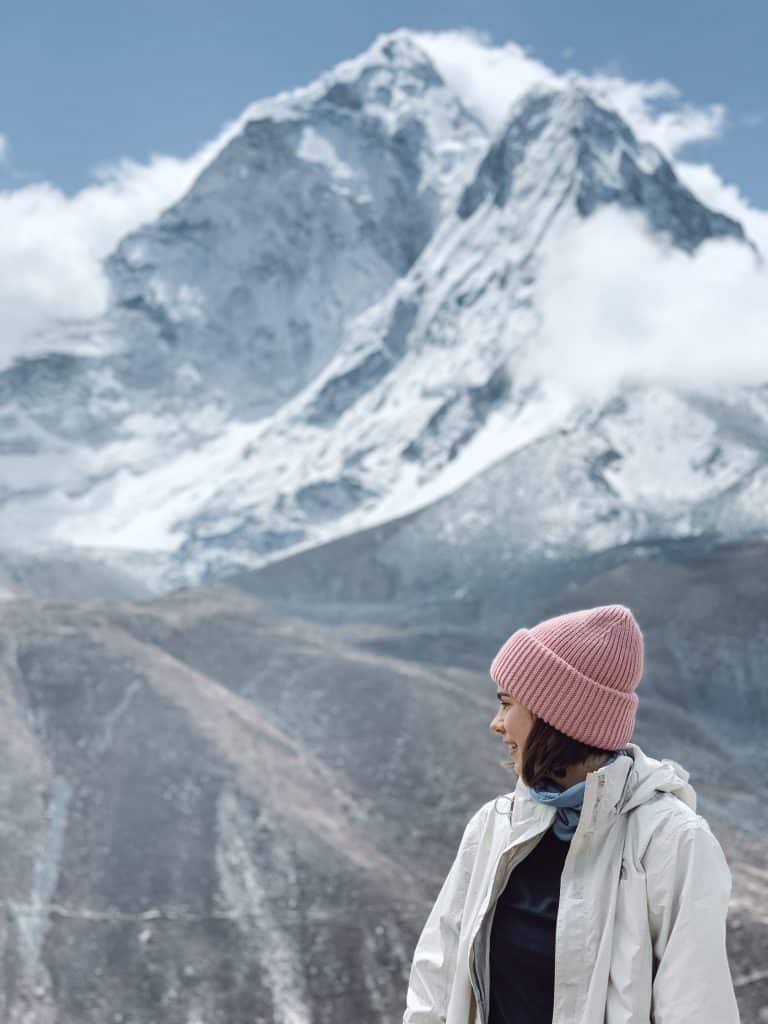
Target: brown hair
<point>549,753</point>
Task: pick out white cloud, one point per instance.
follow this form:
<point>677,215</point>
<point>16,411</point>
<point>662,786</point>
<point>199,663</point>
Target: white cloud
<point>705,183</point>
<point>489,79</point>
<point>3,148</point>
<point>640,104</point>
<point>52,245</point>
<point>620,307</point>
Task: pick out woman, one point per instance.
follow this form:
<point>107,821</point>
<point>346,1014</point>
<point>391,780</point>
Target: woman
<point>594,893</point>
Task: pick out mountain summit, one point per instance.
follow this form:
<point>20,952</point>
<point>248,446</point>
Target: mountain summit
<point>332,328</point>
<point>562,145</point>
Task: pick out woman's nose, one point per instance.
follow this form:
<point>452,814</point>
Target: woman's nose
<point>495,725</point>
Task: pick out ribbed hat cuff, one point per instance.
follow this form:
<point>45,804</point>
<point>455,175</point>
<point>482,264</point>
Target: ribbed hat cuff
<point>565,698</point>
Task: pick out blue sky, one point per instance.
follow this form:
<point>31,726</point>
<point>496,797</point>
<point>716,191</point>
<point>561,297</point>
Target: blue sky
<point>88,82</point>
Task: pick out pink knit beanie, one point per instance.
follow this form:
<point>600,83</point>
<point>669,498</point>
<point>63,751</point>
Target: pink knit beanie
<point>578,672</point>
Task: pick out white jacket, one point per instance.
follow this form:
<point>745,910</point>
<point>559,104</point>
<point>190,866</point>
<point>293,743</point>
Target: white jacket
<point>644,893</point>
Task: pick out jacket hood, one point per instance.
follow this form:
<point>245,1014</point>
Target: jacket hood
<point>649,776</point>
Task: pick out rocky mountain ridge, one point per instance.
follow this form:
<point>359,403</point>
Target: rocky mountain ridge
<point>333,328</point>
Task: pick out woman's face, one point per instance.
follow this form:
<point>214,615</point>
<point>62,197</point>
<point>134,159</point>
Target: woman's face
<point>512,722</point>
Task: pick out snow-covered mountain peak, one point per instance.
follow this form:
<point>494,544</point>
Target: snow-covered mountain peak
<point>388,80</point>
<point>561,151</point>
<point>304,219</point>
<point>393,71</point>
<point>336,325</point>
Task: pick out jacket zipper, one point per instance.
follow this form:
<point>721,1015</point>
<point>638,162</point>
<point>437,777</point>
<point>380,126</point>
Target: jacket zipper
<point>576,839</point>
<point>476,979</point>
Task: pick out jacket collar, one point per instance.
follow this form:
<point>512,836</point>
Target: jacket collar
<point>603,793</point>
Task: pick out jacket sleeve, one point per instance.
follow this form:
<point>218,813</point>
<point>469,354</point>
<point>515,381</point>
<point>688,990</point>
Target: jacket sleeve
<point>689,886</point>
<point>434,959</point>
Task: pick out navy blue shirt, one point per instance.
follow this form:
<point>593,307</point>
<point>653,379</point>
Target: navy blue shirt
<point>522,953</point>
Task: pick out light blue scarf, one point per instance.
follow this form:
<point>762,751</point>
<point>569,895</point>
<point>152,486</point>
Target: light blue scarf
<point>567,801</point>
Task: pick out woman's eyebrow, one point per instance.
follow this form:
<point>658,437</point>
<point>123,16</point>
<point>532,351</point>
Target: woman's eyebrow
<point>501,693</point>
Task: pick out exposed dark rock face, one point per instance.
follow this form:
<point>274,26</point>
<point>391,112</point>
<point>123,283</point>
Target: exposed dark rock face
<point>588,140</point>
<point>341,392</point>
